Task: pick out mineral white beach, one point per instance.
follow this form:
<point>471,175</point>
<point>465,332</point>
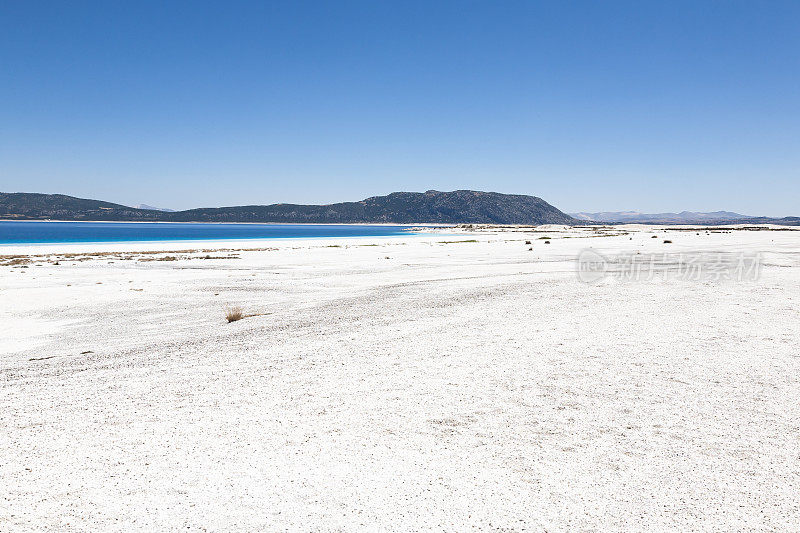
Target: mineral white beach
<point>412,383</point>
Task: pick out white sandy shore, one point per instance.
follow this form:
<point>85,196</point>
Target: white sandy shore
<point>415,384</point>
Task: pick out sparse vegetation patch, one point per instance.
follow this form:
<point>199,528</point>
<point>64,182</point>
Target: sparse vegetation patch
<point>232,314</point>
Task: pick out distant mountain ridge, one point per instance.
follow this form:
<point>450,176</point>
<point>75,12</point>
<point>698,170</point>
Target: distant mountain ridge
<point>684,217</point>
<point>436,207</point>
<point>456,207</point>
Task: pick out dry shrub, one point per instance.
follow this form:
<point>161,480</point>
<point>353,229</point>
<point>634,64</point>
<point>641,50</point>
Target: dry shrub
<point>232,314</point>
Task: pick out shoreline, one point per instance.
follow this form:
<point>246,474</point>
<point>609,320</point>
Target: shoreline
<point>482,232</point>
<point>166,246</point>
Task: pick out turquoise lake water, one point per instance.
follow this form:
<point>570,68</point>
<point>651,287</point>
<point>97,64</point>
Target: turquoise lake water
<point>36,232</point>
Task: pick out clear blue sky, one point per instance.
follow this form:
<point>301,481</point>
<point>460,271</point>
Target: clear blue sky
<point>650,106</point>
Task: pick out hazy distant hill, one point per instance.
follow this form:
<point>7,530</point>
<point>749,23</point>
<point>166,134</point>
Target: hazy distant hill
<point>151,208</point>
<point>401,207</point>
<point>684,217</point>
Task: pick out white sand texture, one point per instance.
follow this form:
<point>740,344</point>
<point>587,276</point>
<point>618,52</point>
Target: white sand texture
<point>467,381</point>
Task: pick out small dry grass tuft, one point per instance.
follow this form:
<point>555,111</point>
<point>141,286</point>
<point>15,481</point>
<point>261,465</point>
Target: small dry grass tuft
<point>232,314</point>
